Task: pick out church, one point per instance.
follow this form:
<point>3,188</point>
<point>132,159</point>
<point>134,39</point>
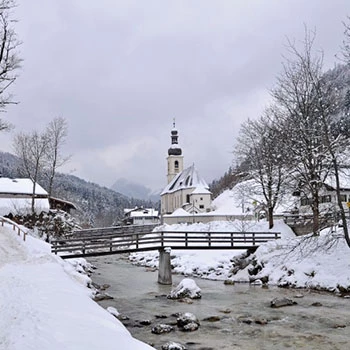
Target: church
<point>186,189</point>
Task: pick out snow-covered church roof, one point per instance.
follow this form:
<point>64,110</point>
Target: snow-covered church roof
<point>188,178</point>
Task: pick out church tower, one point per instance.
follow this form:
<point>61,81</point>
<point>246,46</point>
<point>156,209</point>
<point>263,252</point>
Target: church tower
<point>175,157</point>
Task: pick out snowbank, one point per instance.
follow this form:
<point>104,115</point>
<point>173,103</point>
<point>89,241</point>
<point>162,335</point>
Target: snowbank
<point>321,262</point>
<point>46,304</point>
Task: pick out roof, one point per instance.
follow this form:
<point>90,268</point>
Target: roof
<point>141,212</point>
<point>188,178</point>
<point>19,186</point>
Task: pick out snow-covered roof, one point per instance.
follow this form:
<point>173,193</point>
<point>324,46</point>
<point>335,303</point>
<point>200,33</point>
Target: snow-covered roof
<point>188,178</point>
<point>141,212</point>
<point>19,186</point>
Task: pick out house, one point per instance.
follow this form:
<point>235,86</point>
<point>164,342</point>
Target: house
<point>186,189</point>
<point>140,216</point>
<point>328,196</point>
<point>16,198</point>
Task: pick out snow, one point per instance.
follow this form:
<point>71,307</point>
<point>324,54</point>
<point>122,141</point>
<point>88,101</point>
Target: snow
<point>320,262</point>
<point>244,198</point>
<point>20,186</point>
<point>46,303</point>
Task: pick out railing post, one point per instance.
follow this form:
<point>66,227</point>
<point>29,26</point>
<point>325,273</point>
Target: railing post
<point>162,239</point>
<point>253,234</point>
<point>83,249</point>
<point>186,239</point>
<point>18,231</point>
<point>209,236</point>
<point>231,239</point>
<point>111,245</point>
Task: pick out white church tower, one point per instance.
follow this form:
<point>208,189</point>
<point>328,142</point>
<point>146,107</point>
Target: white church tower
<point>175,157</point>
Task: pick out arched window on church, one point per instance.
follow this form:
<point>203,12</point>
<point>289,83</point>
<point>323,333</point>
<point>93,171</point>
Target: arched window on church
<point>176,164</point>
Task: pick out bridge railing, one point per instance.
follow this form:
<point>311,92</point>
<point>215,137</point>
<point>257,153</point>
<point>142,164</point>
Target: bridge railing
<point>106,244</point>
<point>103,231</point>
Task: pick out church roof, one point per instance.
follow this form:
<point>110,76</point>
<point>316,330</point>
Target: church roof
<point>188,178</point>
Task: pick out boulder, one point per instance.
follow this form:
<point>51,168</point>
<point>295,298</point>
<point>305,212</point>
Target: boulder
<point>187,288</point>
<point>188,322</point>
<point>170,345</point>
<point>162,328</point>
<point>279,302</point>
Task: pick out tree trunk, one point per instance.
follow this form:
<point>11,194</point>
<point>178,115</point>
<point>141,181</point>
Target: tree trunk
<point>270,217</point>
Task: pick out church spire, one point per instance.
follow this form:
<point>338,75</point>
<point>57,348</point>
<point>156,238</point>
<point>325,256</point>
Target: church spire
<point>174,150</point>
<point>175,158</point>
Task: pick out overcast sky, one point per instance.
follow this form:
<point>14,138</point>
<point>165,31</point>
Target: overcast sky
<point>120,71</point>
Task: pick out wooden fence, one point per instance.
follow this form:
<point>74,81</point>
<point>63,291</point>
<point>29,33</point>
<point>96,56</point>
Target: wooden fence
<point>14,225</point>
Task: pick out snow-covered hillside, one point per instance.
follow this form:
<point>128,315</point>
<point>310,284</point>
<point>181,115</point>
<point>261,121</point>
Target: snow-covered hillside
<point>45,303</point>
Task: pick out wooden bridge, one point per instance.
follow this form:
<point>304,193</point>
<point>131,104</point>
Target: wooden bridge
<point>118,240</point>
<point>127,239</point>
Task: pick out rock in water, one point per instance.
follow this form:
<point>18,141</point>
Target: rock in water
<point>173,346</point>
<point>275,303</point>
<point>162,328</point>
<point>188,322</point>
<point>187,288</point>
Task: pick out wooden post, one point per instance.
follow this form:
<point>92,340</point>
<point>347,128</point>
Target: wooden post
<point>186,239</point>
<point>209,236</point>
<point>164,268</point>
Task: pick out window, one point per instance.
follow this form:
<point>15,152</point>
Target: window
<point>176,164</point>
<point>201,198</point>
<point>326,199</point>
<point>201,206</point>
<point>187,198</point>
<point>343,197</point>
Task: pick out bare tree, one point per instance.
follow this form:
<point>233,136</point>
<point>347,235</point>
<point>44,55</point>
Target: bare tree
<point>346,42</point>
<point>56,132</point>
<point>31,148</point>
<point>260,147</point>
<point>9,56</point>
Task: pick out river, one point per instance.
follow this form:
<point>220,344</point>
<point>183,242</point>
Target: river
<point>317,321</point>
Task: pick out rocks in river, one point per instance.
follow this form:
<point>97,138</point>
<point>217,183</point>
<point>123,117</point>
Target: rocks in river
<point>145,322</point>
<point>317,303</point>
<point>102,296</point>
<point>280,302</point>
<point>188,322</point>
<point>170,345</point>
<point>187,288</point>
<point>162,328</point>
<point>212,319</point>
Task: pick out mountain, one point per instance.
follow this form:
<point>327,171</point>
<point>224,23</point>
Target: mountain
<point>135,190</point>
<point>97,206</point>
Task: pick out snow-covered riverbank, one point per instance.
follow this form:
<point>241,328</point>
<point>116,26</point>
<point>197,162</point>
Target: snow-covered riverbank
<point>45,303</point>
<point>321,262</point>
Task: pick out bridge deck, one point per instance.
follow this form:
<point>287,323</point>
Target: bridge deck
<point>107,243</point>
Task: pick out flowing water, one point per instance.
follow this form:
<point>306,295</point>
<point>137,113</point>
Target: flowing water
<point>324,325</point>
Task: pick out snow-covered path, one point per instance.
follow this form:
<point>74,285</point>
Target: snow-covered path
<point>42,305</point>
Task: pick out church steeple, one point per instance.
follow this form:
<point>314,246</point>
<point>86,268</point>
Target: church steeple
<point>175,158</point>
<point>174,149</point>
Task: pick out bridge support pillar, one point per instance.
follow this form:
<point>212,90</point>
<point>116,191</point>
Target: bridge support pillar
<point>164,269</point>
